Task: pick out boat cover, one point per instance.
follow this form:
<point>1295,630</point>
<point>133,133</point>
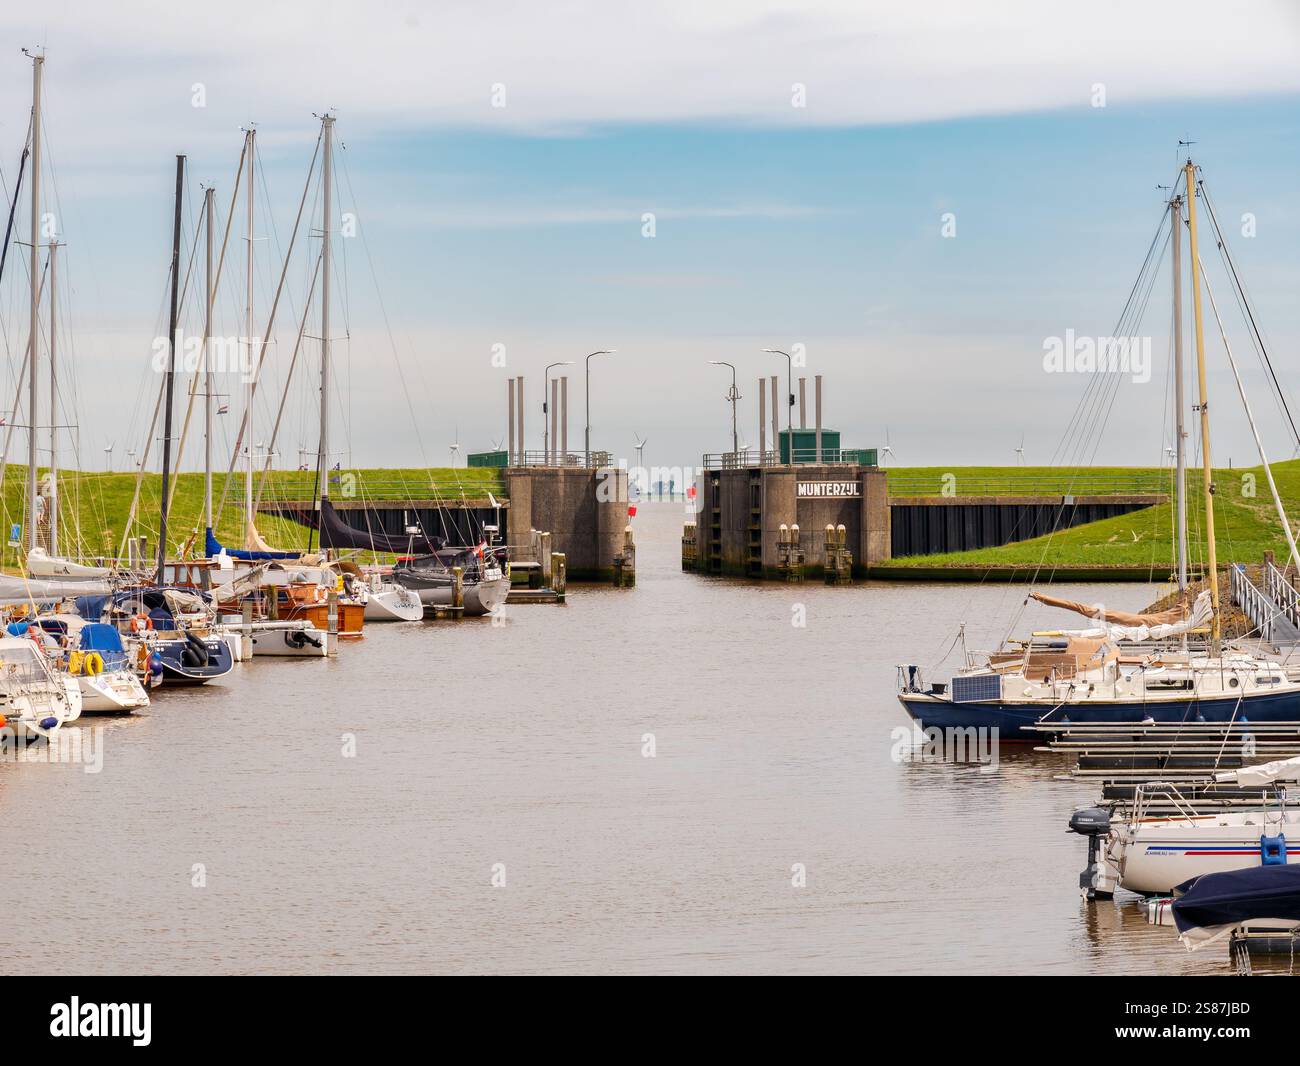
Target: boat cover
<point>1213,905</point>
<point>1265,773</point>
<point>27,589</point>
<point>214,548</point>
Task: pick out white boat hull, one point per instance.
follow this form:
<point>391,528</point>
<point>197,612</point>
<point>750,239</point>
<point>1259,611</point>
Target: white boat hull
<point>1155,856</point>
<point>394,604</point>
<point>112,692</point>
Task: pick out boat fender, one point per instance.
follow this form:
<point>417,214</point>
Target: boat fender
<point>49,723</point>
<point>93,664</point>
<point>156,665</point>
<point>195,649</point>
<point>3,721</point>
<point>16,629</point>
<point>1272,850</point>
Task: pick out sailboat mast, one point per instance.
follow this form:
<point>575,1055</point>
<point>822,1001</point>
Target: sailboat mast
<point>208,198</point>
<point>327,180</point>
<point>1207,477</point>
<point>249,146</point>
<point>54,409</point>
<point>1180,430</point>
<point>170,378</point>
<point>38,62</point>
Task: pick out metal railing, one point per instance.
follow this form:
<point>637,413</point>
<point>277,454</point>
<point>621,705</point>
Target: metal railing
<point>752,457</point>
<point>1282,593</point>
<point>563,459</point>
<point>1264,613</point>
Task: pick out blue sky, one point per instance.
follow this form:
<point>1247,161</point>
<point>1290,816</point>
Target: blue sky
<point>772,228</point>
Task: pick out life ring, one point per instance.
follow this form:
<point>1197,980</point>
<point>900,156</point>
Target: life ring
<point>93,664</point>
<point>141,623</point>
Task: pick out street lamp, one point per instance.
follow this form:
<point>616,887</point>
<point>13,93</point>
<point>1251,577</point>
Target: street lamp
<point>789,401</point>
<point>546,392</point>
<point>586,447</point>
<point>733,395</point>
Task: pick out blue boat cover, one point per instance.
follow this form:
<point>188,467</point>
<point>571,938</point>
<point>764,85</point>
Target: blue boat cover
<point>91,607</point>
<point>96,636</point>
<point>1239,896</point>
<point>214,548</point>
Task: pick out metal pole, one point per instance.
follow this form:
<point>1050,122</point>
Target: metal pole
<point>1180,485</point>
<point>552,422</point>
<point>512,459</point>
<point>37,63</point>
<point>586,447</point>
<point>762,422</point>
<point>208,198</point>
<point>776,425</point>
<point>817,410</point>
<point>519,414</point>
<point>250,142</point>
<point>327,192</point>
<point>564,419</point>
<point>169,381</point>
<point>54,408</point>
<point>803,404</point>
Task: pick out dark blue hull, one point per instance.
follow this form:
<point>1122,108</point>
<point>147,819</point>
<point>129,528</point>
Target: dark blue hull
<point>176,670</point>
<point>1012,719</point>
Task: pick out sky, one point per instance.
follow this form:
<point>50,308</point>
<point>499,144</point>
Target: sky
<point>918,197</point>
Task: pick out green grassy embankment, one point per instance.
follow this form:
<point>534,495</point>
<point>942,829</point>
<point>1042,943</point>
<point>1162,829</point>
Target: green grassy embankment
<point>94,506</point>
<point>1246,522</point>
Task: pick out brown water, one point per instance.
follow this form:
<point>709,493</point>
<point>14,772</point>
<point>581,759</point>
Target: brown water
<point>521,744</point>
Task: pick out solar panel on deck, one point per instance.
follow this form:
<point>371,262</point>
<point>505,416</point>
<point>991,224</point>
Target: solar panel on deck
<point>976,687</point>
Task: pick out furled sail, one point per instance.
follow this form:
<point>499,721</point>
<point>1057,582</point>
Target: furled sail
<point>1124,625</point>
<point>336,533</point>
<point>23,589</point>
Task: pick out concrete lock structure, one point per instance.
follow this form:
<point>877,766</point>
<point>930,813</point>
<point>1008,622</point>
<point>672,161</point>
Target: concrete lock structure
<point>583,508</point>
<point>747,517</point>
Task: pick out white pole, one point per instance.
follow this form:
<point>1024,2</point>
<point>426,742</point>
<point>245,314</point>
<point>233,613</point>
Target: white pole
<point>1241,391</point>
<point>1180,431</point>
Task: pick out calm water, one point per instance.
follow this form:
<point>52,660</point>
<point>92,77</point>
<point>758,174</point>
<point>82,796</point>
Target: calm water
<point>521,745</point>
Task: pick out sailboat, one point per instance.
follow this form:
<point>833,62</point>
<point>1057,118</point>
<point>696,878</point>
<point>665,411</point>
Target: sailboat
<point>1110,672</point>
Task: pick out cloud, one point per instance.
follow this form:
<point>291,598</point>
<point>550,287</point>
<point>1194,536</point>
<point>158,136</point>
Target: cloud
<point>125,73</point>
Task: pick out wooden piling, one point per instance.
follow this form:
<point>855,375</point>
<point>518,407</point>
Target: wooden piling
<point>458,587</point>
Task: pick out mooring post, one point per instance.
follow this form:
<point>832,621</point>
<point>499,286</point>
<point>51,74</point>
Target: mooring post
<point>629,558</point>
<point>458,587</point>
<point>332,636</point>
<point>558,568</point>
<point>544,559</point>
<point>246,651</point>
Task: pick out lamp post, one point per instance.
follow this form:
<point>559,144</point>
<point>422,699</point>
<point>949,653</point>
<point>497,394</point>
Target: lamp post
<point>546,392</point>
<point>586,447</point>
<point>733,395</point>
<point>789,400</point>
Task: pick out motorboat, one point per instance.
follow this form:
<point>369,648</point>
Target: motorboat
<point>173,625</point>
<point>95,655</point>
<point>1152,854</point>
<point>35,699</point>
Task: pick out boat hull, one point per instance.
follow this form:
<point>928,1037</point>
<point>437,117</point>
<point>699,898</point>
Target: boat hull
<point>480,598</point>
<point>394,604</point>
<point>1013,719</point>
<point>176,670</point>
<point>112,692</point>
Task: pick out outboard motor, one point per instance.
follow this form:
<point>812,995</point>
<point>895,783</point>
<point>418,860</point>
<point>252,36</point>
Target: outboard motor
<point>1093,823</point>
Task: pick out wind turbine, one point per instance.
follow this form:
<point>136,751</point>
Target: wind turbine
<point>642,479</point>
<point>886,453</point>
<point>108,456</point>
<point>1020,452</point>
<point>455,448</point>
